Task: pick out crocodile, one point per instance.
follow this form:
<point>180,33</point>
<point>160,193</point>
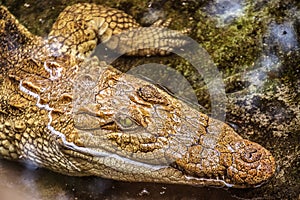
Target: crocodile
<point>65,110</point>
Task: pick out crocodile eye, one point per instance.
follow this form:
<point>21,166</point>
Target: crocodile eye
<point>126,123</point>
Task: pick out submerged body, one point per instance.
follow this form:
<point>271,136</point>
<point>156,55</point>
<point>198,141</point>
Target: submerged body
<point>66,111</point>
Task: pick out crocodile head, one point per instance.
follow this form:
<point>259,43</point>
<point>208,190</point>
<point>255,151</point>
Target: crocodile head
<point>115,125</point>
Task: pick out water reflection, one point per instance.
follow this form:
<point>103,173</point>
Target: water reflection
<point>284,35</point>
<point>19,182</point>
<point>225,11</point>
<point>264,65</point>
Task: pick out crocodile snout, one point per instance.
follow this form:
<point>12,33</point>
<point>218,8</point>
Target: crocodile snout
<point>252,164</point>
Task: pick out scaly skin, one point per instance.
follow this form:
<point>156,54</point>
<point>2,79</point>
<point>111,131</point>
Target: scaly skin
<point>66,111</point>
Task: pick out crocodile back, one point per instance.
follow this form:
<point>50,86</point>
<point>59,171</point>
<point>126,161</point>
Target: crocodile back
<point>13,39</point>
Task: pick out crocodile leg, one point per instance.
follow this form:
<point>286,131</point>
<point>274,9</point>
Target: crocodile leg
<point>81,27</point>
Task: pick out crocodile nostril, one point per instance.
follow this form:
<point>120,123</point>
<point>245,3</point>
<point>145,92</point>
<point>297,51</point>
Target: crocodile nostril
<point>250,154</point>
